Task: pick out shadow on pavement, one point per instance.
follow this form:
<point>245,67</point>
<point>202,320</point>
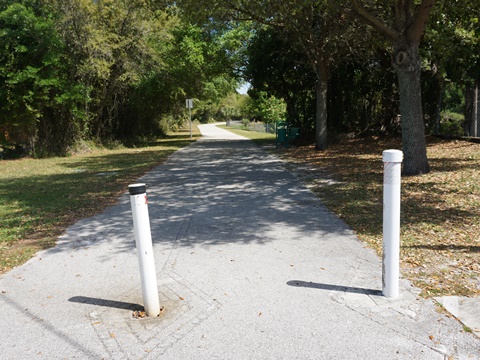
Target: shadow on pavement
<point>214,192</point>
<point>299,283</point>
<point>106,303</point>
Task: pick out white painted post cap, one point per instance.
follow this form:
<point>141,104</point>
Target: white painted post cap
<point>392,156</point>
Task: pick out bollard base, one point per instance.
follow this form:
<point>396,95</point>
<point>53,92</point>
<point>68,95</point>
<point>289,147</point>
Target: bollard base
<point>142,314</point>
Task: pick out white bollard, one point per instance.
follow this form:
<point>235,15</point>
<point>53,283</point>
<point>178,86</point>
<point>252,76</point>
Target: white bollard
<point>143,239</point>
<point>392,160</point>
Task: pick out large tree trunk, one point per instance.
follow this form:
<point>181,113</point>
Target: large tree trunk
<point>321,115</point>
<point>321,91</point>
<point>472,111</point>
<point>409,25</point>
<point>408,66</point>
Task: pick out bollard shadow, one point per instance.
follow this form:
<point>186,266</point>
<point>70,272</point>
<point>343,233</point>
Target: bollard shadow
<point>106,303</point>
<point>330,287</point>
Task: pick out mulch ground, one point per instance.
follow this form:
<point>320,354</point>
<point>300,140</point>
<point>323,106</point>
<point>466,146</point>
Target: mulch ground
<point>440,213</point>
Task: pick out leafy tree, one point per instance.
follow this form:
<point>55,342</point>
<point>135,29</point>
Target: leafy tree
<point>114,44</point>
<point>317,28</point>
<point>454,35</point>
<point>105,70</point>
<point>278,69</point>
<point>404,28</point>
<point>266,108</point>
<point>36,97</point>
<point>203,64</point>
<point>232,106</point>
<point>200,61</point>
<point>363,97</point>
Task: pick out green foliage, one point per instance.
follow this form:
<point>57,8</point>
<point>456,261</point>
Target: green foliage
<point>267,108</point>
<point>451,124</point>
<point>198,61</point>
<point>454,39</point>
<point>102,71</point>
<point>453,50</point>
<point>245,123</point>
<point>363,97</point>
<point>73,71</point>
<point>116,45</point>
<point>37,99</point>
<point>231,107</point>
<point>276,67</point>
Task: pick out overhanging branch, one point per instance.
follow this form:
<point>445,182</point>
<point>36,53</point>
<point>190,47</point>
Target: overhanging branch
<point>415,32</point>
<point>375,22</point>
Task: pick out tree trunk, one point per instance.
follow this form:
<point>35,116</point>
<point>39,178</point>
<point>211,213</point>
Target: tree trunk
<point>476,117</point>
<point>321,115</point>
<point>408,66</point>
<point>438,111</point>
<point>292,114</point>
<point>472,112</point>
<point>409,25</point>
<point>321,91</point>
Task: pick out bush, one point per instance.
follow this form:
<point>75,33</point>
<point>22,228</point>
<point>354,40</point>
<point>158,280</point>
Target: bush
<point>451,123</point>
<point>165,125</point>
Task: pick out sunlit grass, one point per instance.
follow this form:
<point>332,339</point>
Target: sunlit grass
<point>258,137</point>
<point>39,198</point>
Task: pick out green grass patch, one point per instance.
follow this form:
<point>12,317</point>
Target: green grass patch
<point>39,198</point>
<point>261,138</point>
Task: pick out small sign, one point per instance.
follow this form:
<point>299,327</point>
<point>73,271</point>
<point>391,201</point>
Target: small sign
<point>189,103</point>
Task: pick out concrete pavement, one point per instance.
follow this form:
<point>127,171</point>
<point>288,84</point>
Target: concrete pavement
<point>250,265</point>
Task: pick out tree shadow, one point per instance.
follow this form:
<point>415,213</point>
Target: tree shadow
<point>212,193</point>
<point>356,195</point>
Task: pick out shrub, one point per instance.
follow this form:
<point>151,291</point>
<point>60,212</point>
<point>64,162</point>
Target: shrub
<point>451,124</point>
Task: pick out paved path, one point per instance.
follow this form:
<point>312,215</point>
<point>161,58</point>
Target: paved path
<point>250,265</point>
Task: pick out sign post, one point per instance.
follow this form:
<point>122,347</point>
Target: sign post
<point>189,107</point>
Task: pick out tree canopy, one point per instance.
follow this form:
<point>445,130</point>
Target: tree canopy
<point>110,70</point>
<point>102,71</point>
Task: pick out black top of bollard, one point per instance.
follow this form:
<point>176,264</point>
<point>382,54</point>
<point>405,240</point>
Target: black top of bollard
<point>137,189</point>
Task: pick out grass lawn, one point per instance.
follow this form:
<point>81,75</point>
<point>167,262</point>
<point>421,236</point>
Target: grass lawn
<point>40,198</point>
<point>440,213</point>
<point>258,137</point>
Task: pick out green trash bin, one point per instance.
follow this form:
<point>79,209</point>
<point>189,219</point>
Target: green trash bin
<point>280,133</point>
<point>293,133</point>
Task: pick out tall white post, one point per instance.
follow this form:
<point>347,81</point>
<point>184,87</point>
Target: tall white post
<point>392,161</point>
<point>143,239</point>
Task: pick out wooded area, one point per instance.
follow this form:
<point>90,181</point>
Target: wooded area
<point>110,71</point>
